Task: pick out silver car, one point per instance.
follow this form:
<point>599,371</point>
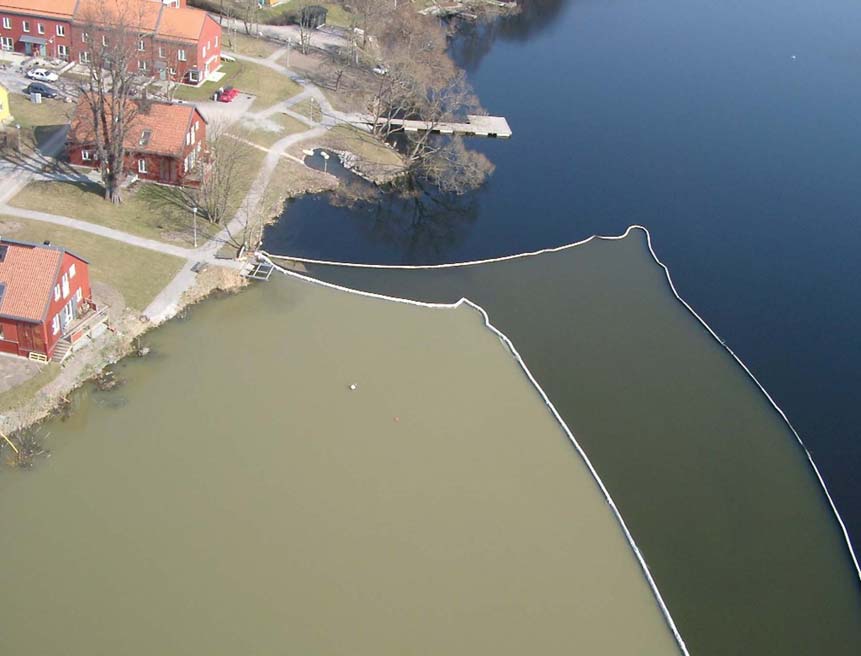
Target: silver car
<point>42,75</point>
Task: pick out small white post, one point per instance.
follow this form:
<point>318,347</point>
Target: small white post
<point>194,211</point>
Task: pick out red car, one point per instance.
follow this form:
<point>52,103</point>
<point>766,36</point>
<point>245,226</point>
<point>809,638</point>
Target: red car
<point>228,94</point>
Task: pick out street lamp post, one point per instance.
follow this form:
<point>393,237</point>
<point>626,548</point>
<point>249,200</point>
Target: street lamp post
<point>194,211</point>
<point>18,132</point>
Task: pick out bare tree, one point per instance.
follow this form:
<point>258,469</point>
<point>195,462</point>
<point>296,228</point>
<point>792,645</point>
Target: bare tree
<point>111,53</point>
<point>422,83</point>
<point>221,173</point>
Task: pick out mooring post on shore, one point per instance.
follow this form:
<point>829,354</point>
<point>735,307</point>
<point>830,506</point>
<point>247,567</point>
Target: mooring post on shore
<point>9,442</point>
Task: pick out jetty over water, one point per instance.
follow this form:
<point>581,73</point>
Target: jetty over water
<point>476,125</point>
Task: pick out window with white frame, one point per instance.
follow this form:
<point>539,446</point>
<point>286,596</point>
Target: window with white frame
<point>71,271</point>
<point>86,156</point>
<point>216,41</point>
<point>143,65</point>
<point>6,43</point>
<point>40,28</point>
<point>63,51</point>
<point>104,40</point>
<point>85,37</point>
<point>79,295</point>
<point>65,280</point>
<point>85,57</point>
<point>161,52</point>
<point>61,30</point>
<point>142,166</point>
<point>55,324</point>
<point>141,45</point>
<point>25,25</point>
<point>57,292</point>
<point>180,54</point>
<point>7,23</point>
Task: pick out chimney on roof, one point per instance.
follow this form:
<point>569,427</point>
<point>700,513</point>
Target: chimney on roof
<point>47,242</point>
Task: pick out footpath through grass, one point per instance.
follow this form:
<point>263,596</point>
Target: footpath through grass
<point>267,85</point>
<point>149,210</point>
<point>137,273</point>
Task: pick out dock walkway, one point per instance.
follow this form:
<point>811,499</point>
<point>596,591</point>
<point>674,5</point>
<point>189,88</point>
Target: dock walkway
<point>479,126</point>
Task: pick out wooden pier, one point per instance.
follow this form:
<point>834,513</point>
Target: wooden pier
<point>476,125</point>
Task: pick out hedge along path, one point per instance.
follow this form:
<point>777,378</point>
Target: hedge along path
<point>678,297</point>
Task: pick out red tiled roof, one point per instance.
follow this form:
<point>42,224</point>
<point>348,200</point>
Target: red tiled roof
<point>166,122</point>
<point>59,9</point>
<point>28,273</point>
<point>184,23</point>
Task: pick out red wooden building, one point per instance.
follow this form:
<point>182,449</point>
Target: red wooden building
<point>164,143</point>
<point>45,299</point>
<point>174,42</point>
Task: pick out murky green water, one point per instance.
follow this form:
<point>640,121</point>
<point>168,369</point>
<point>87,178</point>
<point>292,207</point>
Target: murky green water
<point>710,480</point>
<point>235,497</point>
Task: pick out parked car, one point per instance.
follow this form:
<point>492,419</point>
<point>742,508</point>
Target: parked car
<point>44,90</point>
<point>226,95</point>
<point>42,75</point>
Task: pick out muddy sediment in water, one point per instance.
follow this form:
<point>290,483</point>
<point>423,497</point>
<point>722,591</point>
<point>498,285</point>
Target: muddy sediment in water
<point>713,484</point>
<point>313,471</point>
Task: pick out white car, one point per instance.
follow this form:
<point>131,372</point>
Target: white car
<point>42,75</point>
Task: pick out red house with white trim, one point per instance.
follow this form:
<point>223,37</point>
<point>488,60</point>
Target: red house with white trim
<point>164,142</point>
<point>174,42</point>
<point>45,299</point>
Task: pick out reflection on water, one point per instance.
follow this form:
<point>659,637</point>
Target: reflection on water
<point>242,499</point>
<point>710,480</point>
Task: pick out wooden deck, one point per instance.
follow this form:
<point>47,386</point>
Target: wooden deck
<point>479,126</point>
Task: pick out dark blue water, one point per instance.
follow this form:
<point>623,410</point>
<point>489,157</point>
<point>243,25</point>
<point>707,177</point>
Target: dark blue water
<point>730,129</point>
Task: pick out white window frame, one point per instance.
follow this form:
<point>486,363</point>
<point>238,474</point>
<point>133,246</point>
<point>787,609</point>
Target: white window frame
<point>85,37</point>
<point>65,281</point>
<point>7,43</point>
<point>57,292</point>
<point>25,26</point>
<point>61,30</point>
<point>72,271</point>
<point>79,294</point>
<point>55,324</point>
<point>85,155</point>
<point>104,41</point>
<point>142,166</point>
<point>85,57</point>
<point>161,52</point>
<point>180,54</point>
<point>7,23</point>
<point>141,45</point>
<point>216,40</point>
<point>40,28</point>
<point>62,51</point>
<point>143,65</point>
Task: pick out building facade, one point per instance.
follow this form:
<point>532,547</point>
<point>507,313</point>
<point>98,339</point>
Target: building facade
<point>175,42</point>
<point>165,142</point>
<point>45,295</point>
<point>5,110</point>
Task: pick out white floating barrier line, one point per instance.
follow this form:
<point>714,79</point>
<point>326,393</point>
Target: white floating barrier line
<point>690,309</point>
<point>510,346</point>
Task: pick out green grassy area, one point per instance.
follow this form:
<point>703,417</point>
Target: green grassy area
<point>308,108</point>
<point>20,394</point>
<point>362,144</point>
<point>149,210</point>
<point>267,85</point>
<point>38,122</point>
<point>287,124</point>
<point>336,14</point>
<point>248,45</point>
<point>137,273</point>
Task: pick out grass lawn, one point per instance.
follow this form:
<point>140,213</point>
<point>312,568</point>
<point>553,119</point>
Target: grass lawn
<point>38,122</point>
<point>18,395</point>
<point>267,85</point>
<point>138,274</point>
<point>287,124</point>
<point>308,108</point>
<point>150,210</point>
<point>362,144</point>
<point>248,45</point>
<point>336,14</point>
